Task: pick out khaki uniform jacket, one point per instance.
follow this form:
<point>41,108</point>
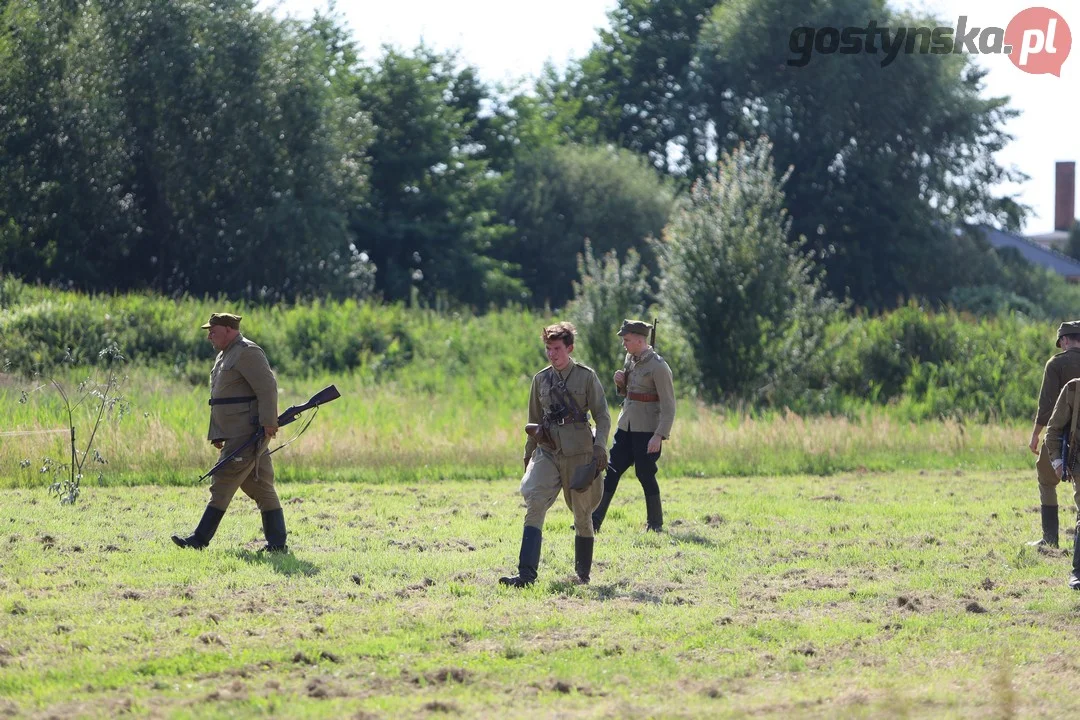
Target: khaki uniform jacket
<point>242,370</point>
<point>1061,418</point>
<point>1059,370</point>
<point>584,385</point>
<point>648,374</point>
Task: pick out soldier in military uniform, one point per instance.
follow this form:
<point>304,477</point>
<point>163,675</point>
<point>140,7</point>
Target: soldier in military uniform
<point>243,396</point>
<point>1063,424</point>
<point>644,423</point>
<point>561,442</point>
<point>1059,370</point>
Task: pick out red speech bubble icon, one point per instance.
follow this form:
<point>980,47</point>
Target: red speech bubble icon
<point>1040,40</point>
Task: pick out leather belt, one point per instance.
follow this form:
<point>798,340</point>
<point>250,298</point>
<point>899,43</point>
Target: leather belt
<point>231,400</point>
<point>642,397</point>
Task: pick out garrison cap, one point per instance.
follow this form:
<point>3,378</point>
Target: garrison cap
<point>640,327</point>
<point>233,321</point>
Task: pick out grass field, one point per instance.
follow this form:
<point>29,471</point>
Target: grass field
<point>904,594</point>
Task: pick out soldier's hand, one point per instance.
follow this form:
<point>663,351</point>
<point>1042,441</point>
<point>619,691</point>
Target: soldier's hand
<point>218,443</point>
<point>620,377</point>
<point>270,430</point>
<point>600,454</point>
<point>654,444</point>
<point>1059,470</point>
<point>1034,444</point>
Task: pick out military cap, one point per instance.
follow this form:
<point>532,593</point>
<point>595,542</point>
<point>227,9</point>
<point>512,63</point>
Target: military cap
<point>223,319</point>
<point>638,327</point>
<point>1069,327</point>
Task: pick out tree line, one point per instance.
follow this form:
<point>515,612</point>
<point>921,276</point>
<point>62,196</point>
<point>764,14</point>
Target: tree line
<point>197,147</point>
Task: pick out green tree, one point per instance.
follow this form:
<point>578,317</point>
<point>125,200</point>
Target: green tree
<point>557,197</point>
<point>751,306</point>
<point>190,146</point>
<point>429,220</point>
<point>885,160</point>
<point>637,83</point>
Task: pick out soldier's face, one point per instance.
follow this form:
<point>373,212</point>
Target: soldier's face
<point>220,336</point>
<point>634,343</point>
<point>558,354</point>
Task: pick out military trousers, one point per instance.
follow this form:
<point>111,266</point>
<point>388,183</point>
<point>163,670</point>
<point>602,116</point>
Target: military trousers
<point>632,448</point>
<point>548,473</point>
<point>1048,482</point>
<point>251,471</point>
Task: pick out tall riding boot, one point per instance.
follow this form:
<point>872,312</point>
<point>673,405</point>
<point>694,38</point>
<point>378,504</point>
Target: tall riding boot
<point>1049,527</point>
<point>528,559</point>
<point>600,512</point>
<point>204,533</point>
<point>583,550</point>
<point>654,513</point>
<point>1074,578</point>
<point>274,529</point>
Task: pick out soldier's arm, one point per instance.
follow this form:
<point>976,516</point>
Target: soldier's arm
<point>620,376</point>
<point>1048,393</point>
<point>1059,421</point>
<point>536,414</point>
<point>594,396</point>
<point>665,388</point>
<point>252,364</point>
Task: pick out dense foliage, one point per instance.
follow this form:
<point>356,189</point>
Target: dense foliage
<point>919,363</point>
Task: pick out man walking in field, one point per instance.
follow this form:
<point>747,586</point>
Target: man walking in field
<point>1060,369</point>
<point>1063,432</point>
<point>644,422</point>
<point>562,454</point>
<point>243,396</point>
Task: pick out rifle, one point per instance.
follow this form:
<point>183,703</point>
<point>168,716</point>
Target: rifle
<point>652,333</point>
<point>290,415</point>
<point>1068,454</point>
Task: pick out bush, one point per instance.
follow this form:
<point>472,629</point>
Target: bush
<point>750,304</point>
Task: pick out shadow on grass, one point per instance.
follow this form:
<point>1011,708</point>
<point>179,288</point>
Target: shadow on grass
<point>283,563</point>
<point>614,592</point>
<point>691,538</point>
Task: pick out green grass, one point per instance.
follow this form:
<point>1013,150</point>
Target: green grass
<point>906,594</point>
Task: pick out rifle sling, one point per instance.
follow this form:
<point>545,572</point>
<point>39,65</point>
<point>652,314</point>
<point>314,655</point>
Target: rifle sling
<point>1072,430</point>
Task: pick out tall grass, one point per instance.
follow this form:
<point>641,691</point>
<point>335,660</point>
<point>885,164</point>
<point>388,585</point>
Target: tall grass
<point>457,428</point>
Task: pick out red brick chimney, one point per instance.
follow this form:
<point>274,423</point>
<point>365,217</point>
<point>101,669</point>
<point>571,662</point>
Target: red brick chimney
<point>1064,195</point>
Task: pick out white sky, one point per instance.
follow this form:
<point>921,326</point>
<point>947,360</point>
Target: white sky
<point>509,39</point>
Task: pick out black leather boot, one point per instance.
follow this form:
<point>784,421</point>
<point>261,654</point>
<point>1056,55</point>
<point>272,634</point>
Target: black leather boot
<point>583,551</point>
<point>274,529</point>
<point>600,512</point>
<point>1049,527</point>
<point>528,559</point>
<point>654,513</point>
<point>204,533</point>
